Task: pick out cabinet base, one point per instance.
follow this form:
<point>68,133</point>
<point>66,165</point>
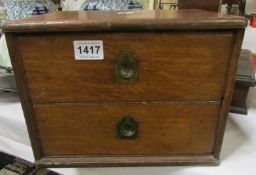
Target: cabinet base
<point>127,161</point>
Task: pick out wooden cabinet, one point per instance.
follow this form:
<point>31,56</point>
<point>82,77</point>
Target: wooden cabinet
<point>159,96</point>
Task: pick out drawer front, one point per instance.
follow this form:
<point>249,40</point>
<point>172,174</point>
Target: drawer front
<point>161,129</point>
<point>171,66</point>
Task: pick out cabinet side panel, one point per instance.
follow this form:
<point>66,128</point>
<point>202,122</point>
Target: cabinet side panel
<point>228,90</point>
<point>20,77</point>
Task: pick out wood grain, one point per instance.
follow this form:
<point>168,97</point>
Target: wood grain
<point>140,20</point>
<point>164,129</point>
<point>228,90</point>
<point>172,66</point>
<point>99,161</point>
<point>24,94</point>
<point>187,70</point>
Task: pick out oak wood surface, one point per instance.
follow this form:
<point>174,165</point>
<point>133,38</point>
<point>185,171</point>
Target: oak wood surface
<point>92,129</point>
<point>142,20</point>
<point>24,94</point>
<point>172,66</point>
<point>228,91</point>
<point>106,161</point>
<point>195,128</point>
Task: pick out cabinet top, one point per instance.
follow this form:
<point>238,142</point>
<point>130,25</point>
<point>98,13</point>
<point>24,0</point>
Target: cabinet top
<point>142,20</point>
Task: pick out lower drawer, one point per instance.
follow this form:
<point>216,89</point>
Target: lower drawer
<point>127,128</point>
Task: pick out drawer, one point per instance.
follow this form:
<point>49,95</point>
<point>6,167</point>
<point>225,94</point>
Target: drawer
<point>171,66</point>
<point>127,129</point>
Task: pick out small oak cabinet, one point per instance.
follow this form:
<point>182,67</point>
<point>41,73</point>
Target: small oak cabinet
<point>156,92</point>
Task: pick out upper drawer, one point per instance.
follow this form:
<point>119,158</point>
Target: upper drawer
<point>172,66</point>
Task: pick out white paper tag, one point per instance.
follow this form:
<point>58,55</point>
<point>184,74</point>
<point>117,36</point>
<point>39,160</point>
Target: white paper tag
<point>89,50</point>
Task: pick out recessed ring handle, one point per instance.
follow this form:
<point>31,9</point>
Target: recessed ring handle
<point>126,68</point>
<point>127,128</point>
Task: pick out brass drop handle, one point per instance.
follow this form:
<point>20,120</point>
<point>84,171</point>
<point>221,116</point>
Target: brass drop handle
<point>127,128</point>
<point>126,68</point>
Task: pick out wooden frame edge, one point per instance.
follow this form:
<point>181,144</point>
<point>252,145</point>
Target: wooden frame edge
<point>25,99</point>
<point>228,91</point>
<point>125,161</point>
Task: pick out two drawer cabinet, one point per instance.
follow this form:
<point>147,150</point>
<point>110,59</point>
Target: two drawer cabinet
<point>126,88</point>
